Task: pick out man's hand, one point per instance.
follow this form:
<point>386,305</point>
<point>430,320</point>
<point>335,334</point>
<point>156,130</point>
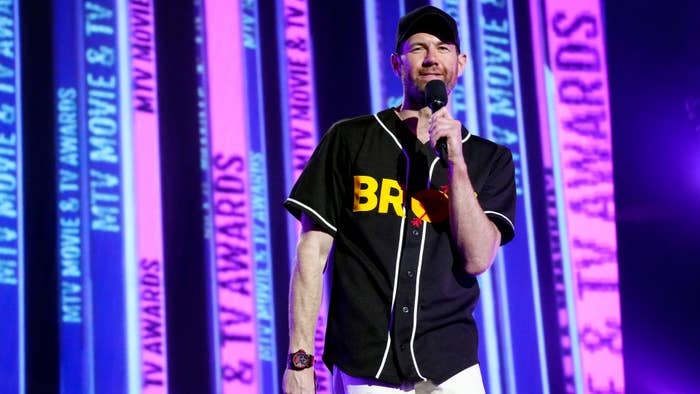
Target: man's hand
<point>443,125</point>
<point>299,382</point>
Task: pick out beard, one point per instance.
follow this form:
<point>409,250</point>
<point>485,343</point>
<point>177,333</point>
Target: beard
<point>414,86</point>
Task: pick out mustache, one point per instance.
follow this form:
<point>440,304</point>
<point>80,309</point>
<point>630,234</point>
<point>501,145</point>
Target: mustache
<point>431,70</point>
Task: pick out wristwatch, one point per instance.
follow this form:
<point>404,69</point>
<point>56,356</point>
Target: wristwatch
<point>300,360</point>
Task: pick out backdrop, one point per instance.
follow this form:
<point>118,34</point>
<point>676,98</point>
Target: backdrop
<point>146,148</point>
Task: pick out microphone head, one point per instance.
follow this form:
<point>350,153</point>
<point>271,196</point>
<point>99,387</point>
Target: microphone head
<point>435,94</point>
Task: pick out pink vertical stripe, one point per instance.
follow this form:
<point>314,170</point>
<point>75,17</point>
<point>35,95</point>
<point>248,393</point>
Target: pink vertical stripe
<point>578,60</point>
<point>230,191</point>
<point>149,229</point>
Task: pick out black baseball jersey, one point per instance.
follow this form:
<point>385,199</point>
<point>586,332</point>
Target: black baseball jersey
<point>401,303</point>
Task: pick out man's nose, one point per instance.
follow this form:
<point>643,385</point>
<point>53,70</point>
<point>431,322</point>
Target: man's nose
<point>429,58</point>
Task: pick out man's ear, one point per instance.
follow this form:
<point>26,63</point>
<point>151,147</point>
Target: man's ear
<point>396,64</point>
<point>462,62</point>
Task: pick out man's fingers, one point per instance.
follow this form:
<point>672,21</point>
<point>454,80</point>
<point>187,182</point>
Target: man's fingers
<point>442,113</point>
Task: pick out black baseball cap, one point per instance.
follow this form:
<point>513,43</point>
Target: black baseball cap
<point>427,19</point>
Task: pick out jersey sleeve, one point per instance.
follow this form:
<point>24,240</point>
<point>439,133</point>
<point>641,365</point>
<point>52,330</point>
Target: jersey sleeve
<point>320,188</point>
<point>497,198</point>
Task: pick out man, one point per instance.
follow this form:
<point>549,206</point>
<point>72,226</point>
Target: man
<point>409,233</point>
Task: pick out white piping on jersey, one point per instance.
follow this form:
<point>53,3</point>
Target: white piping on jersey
<point>430,173</point>
<point>394,138</point>
<point>393,300</point>
<point>415,302</point>
<point>314,213</point>
<point>418,276</point>
<point>399,250</point>
<point>503,216</point>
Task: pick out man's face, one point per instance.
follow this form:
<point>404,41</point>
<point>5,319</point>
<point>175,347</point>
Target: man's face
<point>423,58</point>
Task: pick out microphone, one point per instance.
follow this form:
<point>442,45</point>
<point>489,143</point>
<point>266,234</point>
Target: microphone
<point>436,97</point>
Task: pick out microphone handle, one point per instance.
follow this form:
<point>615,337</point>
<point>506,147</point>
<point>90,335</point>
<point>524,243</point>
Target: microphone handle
<point>441,148</point>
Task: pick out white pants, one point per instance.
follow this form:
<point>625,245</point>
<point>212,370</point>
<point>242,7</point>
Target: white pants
<point>467,381</point>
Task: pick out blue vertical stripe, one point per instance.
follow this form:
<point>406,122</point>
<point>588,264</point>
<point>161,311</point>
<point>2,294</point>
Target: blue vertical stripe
<point>488,330</point>
<point>389,14</point>
<point>262,251</point>
<point>372,35</point>
<point>20,204</point>
<point>380,24</point>
<point>563,233</point>
<point>12,340</point>
<point>75,376</point>
<point>88,307</point>
<point>534,295</point>
<point>487,312</point>
<point>103,113</point>
<point>207,202</point>
<point>284,130</point>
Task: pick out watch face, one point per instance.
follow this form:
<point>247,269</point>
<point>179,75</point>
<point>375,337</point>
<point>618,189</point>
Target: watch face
<point>301,360</point>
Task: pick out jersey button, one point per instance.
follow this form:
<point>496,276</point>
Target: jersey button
<point>415,232</point>
<point>409,273</point>
<point>405,309</point>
